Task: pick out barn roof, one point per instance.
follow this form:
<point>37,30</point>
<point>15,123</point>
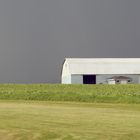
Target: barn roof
<point>103,65</point>
<point>102,60</point>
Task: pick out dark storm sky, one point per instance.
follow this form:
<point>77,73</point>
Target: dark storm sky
<point>36,35</point>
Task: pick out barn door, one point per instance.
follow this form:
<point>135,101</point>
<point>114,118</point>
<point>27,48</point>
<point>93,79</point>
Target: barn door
<point>89,79</point>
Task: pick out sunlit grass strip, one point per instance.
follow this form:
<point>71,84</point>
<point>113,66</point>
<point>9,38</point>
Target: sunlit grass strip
<point>80,93</point>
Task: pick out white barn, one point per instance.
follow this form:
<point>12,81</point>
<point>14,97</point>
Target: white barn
<point>100,70</point>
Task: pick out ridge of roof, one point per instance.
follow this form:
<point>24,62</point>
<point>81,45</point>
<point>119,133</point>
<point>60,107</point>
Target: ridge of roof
<point>102,60</point>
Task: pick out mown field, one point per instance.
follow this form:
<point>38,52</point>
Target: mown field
<point>41,120</point>
<point>69,112</point>
<point>80,93</point>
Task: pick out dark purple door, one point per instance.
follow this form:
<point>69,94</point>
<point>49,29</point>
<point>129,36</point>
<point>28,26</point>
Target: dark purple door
<point>89,79</point>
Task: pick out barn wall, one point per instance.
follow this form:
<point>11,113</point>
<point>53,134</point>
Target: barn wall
<point>76,79</point>
<point>139,79</point>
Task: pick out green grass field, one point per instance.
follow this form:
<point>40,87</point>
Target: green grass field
<point>35,120</point>
<point>69,112</point>
<point>78,93</point>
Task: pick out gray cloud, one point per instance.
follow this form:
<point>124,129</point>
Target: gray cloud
<point>36,35</point>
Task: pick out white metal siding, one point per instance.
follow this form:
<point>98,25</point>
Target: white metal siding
<point>76,79</point>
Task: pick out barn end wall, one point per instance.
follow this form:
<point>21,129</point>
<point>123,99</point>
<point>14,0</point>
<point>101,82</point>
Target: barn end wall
<point>66,76</point>
<point>66,79</point>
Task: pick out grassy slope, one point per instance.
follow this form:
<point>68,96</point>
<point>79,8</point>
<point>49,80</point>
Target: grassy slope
<point>82,93</point>
<point>68,121</point>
